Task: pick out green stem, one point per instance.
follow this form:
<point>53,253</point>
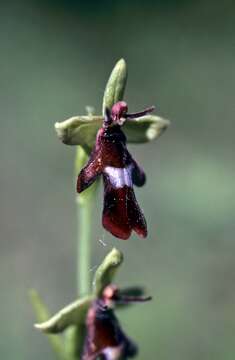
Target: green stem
<point>84,213</point>
<point>84,203</point>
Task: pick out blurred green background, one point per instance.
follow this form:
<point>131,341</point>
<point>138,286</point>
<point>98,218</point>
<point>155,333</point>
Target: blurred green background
<point>55,59</point>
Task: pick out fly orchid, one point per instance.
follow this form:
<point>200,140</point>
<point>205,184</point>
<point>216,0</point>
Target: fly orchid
<point>92,329</point>
<point>91,322</point>
<point>104,335</point>
<point>111,158</point>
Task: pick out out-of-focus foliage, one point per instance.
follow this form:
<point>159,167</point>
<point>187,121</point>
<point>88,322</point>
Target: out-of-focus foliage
<point>55,59</point>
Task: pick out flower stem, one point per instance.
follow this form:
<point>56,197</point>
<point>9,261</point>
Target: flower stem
<point>84,205</point>
<point>84,213</point>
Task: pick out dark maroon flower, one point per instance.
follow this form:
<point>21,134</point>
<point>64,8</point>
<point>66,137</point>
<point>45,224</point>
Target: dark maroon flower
<point>105,338</point>
<point>110,158</point>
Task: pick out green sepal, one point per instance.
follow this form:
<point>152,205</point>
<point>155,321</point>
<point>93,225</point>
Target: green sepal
<point>73,314</point>
<point>75,132</point>
<point>115,88</point>
<point>43,315</point>
<point>79,130</point>
<point>145,128</point>
<point>106,271</point>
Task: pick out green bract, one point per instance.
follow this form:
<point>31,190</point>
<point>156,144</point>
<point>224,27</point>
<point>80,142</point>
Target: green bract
<point>82,130</point>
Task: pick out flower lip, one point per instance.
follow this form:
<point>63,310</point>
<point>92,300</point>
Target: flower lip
<point>104,335</point>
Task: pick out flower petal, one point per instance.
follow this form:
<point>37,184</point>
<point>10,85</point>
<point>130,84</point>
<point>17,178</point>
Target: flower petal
<point>80,160</point>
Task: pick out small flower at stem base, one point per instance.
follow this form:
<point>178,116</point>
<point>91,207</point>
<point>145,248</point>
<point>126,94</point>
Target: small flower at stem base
<point>104,335</point>
<point>97,330</point>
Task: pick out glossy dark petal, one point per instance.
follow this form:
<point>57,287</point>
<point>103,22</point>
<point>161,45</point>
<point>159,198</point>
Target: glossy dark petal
<point>105,336</point>
<point>122,214</point>
<point>89,173</point>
